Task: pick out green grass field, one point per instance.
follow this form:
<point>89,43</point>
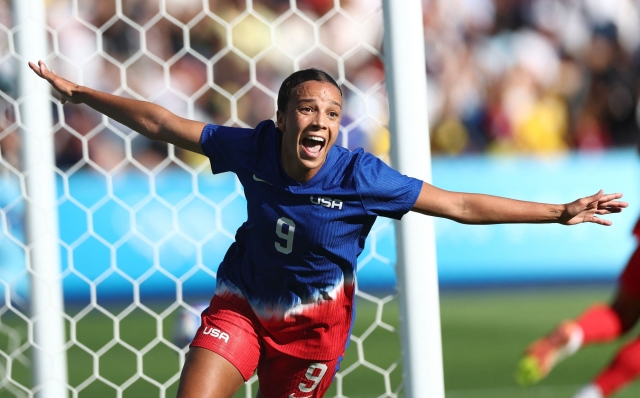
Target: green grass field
<point>484,333</point>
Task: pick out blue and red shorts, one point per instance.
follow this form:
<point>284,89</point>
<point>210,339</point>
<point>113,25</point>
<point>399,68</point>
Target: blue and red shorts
<point>230,328</point>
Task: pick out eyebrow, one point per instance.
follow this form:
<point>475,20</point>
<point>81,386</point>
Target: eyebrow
<point>313,100</point>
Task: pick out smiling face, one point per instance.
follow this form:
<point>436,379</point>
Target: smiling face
<point>310,125</point>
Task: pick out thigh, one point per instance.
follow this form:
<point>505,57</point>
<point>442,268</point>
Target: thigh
<point>206,374</point>
<point>281,375</point>
<point>627,301</point>
<point>630,278</point>
<point>230,332</point>
<point>627,305</point>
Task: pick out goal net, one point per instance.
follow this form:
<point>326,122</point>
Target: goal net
<point>144,225</point>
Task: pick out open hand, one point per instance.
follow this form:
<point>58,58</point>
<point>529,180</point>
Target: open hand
<point>586,209</point>
<point>62,86</point>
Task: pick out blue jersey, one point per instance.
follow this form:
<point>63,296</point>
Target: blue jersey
<point>299,246</point>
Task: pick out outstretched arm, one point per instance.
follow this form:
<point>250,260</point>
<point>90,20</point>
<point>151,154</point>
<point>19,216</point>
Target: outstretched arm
<point>469,208</point>
<point>148,119</point>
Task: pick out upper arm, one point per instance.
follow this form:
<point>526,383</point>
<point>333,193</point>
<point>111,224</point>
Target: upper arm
<point>183,133</point>
<point>437,202</point>
<point>383,190</point>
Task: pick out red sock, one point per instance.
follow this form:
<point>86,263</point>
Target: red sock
<point>624,368</point>
<point>600,324</point>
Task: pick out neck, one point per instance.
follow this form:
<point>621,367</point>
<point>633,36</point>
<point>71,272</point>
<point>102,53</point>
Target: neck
<point>296,169</point>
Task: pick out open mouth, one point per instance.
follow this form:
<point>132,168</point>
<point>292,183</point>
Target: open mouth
<point>313,145</point>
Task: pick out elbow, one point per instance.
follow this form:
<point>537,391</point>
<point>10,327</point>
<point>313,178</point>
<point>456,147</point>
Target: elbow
<point>153,121</point>
<point>465,220</point>
<point>462,213</point>
<point>154,127</point>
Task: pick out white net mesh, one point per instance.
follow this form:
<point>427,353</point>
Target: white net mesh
<point>143,226</point>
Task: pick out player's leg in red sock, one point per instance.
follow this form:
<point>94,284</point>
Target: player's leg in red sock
<point>626,365</point>
<point>600,323</point>
<point>624,369</point>
<point>543,354</point>
<point>604,323</point>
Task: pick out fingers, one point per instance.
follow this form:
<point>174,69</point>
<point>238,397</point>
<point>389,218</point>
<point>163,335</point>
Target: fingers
<point>600,204</point>
<point>600,221</point>
<point>40,69</point>
<point>617,205</point>
<point>44,70</point>
<point>598,196</point>
<point>610,196</point>
<point>614,205</point>
<point>35,68</point>
<point>613,195</point>
<point>608,202</point>
<point>52,77</point>
<point>611,210</point>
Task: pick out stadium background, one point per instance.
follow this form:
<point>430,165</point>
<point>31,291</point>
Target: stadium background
<point>532,99</point>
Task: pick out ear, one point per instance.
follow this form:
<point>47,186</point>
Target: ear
<point>280,120</point>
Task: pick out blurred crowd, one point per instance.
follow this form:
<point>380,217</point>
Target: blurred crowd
<point>504,76</point>
<point>533,76</point>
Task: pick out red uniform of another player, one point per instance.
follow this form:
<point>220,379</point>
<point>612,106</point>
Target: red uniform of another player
<point>630,278</point>
<point>600,323</point>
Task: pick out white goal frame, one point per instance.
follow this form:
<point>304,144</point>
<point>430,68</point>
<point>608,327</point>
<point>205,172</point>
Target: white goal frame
<point>417,271</point>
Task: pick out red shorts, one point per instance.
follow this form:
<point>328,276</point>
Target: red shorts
<point>630,278</point>
<point>234,332</point>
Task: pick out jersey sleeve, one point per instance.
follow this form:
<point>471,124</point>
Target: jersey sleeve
<point>226,147</point>
<point>384,191</point>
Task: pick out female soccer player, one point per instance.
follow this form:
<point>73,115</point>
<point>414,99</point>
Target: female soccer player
<point>283,302</point>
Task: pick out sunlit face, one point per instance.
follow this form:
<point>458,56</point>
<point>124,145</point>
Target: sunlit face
<point>310,126</point>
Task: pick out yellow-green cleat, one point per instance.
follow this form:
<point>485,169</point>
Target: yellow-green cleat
<point>528,371</point>
<point>543,354</point>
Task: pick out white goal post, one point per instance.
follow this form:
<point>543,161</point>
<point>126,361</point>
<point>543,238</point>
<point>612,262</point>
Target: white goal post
<point>417,271</point>
<point>42,238</point>
<point>129,221</point>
